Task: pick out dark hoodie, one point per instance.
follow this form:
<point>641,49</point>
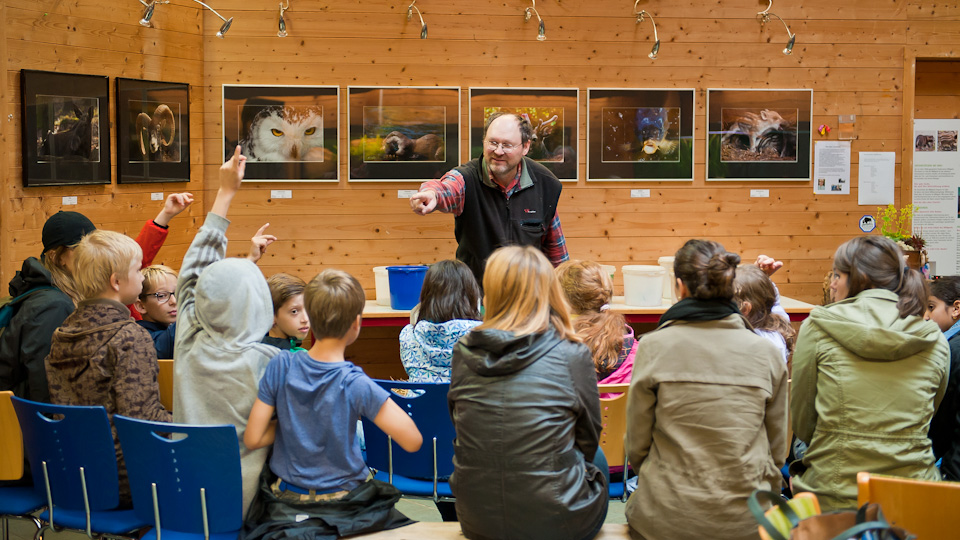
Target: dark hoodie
<point>26,340</point>
<point>527,415</point>
<point>100,356</point>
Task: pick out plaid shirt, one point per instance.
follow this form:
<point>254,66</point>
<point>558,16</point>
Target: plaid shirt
<point>451,190</point>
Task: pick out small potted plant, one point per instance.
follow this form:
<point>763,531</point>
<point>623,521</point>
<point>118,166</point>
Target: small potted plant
<point>895,225</point>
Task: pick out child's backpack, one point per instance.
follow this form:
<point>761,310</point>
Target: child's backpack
<point>9,305</point>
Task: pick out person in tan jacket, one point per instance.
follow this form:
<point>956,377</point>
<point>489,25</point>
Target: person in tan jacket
<point>868,374</point>
<point>706,412</point>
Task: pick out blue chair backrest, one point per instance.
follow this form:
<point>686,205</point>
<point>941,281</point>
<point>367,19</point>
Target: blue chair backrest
<point>67,438</point>
<point>430,412</point>
<point>195,457</point>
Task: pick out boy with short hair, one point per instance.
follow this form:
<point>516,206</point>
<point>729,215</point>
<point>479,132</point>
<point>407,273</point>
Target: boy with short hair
<point>157,305</point>
<point>100,356</point>
<point>318,396</point>
<point>291,325</point>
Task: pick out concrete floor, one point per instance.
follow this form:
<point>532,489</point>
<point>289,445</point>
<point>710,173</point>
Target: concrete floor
<point>415,509</point>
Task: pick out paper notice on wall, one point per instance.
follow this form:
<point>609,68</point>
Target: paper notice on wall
<point>832,168</point>
<point>877,172</point>
<point>936,191</point>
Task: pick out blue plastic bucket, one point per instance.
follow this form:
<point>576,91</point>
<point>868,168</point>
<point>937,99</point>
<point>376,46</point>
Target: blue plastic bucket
<point>405,285</point>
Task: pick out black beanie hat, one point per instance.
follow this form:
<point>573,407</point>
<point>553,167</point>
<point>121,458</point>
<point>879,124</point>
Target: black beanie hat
<point>65,229</point>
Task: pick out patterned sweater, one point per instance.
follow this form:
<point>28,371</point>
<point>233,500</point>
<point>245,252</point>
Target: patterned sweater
<point>100,356</point>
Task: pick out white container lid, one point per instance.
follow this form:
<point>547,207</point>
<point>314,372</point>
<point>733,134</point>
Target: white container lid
<point>666,260</point>
<point>644,270</point>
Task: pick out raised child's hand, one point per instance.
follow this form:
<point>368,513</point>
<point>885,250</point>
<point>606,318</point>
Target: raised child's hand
<point>259,243</point>
<point>175,203</point>
<point>768,264</point>
<point>231,172</point>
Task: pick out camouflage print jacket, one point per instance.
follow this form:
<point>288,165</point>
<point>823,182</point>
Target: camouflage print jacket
<point>100,356</point>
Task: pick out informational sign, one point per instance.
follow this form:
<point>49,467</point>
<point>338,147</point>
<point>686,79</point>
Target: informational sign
<point>831,173</point>
<point>876,178</point>
<point>936,191</point>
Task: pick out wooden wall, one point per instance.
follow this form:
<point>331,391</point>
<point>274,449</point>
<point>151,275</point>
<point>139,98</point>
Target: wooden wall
<point>99,38</point>
<point>857,56</point>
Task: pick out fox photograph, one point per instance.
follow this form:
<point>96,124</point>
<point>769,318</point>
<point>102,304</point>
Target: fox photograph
<point>547,123</point>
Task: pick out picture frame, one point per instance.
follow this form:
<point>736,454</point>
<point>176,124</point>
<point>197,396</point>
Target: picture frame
<point>288,133</point>
<point>65,128</point>
<point>755,134</point>
<point>554,114</point>
<point>153,131</point>
<point>402,133</point>
<point>640,134</point>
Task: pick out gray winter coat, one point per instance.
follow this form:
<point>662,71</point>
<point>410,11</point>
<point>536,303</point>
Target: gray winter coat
<point>527,414</point>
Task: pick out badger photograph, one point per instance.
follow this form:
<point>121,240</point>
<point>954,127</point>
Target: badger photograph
<point>759,135</point>
<point>404,133</point>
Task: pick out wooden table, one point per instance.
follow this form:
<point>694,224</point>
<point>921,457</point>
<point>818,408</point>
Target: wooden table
<point>377,315</point>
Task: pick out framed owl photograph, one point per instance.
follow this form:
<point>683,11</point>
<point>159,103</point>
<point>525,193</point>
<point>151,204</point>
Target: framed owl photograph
<point>287,133</point>
<point>405,133</point>
<point>153,131</point>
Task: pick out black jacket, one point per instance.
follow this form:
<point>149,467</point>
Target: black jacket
<point>26,340</point>
<point>527,414</point>
<point>945,426</point>
<point>162,336</point>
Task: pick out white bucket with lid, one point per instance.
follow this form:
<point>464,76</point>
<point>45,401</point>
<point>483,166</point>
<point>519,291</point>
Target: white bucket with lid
<point>382,282</point>
<point>669,291</point>
<point>643,285</point>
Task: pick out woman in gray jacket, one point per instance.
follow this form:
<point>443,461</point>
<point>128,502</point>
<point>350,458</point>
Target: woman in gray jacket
<point>524,401</point>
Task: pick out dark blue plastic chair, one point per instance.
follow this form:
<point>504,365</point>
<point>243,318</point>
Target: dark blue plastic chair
<point>74,462</point>
<point>422,473</point>
<point>16,502</point>
<point>189,484</point>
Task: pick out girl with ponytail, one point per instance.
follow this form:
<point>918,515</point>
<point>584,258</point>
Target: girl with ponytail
<point>589,291</point>
<point>706,411</point>
<point>868,374</point>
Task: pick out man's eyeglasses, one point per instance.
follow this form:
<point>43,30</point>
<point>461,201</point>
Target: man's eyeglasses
<point>161,296</point>
<point>506,147</point>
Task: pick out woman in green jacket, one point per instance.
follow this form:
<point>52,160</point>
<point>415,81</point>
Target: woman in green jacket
<point>868,374</point>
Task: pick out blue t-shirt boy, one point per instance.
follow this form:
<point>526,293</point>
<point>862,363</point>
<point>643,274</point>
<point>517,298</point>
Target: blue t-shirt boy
<point>317,406</point>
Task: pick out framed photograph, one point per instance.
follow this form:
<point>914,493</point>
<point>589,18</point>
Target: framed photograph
<point>287,133</point>
<point>66,133</point>
<point>403,133</point>
<point>759,134</point>
<point>153,131</point>
<point>639,134</point>
<point>553,112</point>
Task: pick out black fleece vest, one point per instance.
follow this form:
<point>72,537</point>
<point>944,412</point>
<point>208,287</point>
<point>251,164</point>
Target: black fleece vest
<point>490,221</point>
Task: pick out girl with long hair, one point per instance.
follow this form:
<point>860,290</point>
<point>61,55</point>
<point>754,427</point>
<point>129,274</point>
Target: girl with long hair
<point>756,296</point>
<point>868,374</point>
<point>523,398</point>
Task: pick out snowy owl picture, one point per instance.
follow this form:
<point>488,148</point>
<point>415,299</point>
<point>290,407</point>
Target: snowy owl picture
<point>284,133</point>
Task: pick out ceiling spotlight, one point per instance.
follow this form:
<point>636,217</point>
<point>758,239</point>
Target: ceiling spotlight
<point>423,25</point>
<point>541,29</point>
<point>282,32</point>
<point>148,12</point>
<point>656,39</point>
<point>765,16</point>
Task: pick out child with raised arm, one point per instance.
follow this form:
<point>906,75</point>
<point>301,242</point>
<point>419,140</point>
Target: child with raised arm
<point>223,312</point>
<point>317,397</point>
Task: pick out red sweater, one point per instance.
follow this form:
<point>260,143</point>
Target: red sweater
<point>151,239</point>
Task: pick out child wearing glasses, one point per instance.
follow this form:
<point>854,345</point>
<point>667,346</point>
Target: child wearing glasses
<point>157,305</point>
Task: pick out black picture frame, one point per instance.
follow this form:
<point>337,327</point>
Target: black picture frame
<point>65,128</point>
<point>618,121</point>
<point>779,122</point>
<point>547,109</point>
<point>402,133</point>
<point>153,131</point>
<point>297,131</point>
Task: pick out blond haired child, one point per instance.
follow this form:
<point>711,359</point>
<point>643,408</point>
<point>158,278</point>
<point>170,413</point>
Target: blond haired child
<point>100,356</point>
<point>316,457</point>
<point>157,305</point>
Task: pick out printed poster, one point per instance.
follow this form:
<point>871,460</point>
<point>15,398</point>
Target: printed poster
<point>936,191</point>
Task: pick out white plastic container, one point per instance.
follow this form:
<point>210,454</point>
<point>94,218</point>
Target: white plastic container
<point>643,285</point>
<point>669,291</point>
<point>382,281</point>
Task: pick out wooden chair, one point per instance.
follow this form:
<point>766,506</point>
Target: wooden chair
<point>926,509</point>
<point>165,379</point>
<point>613,410</point>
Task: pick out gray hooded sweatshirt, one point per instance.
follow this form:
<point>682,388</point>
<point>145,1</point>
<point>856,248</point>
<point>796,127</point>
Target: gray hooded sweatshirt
<point>224,309</point>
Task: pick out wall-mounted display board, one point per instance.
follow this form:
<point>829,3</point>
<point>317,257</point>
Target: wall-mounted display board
<point>153,131</point>
<point>287,133</point>
<point>403,133</point>
<point>936,191</point>
<point>553,112</point>
<point>66,135</point>
<point>640,134</point>
<point>759,134</point>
